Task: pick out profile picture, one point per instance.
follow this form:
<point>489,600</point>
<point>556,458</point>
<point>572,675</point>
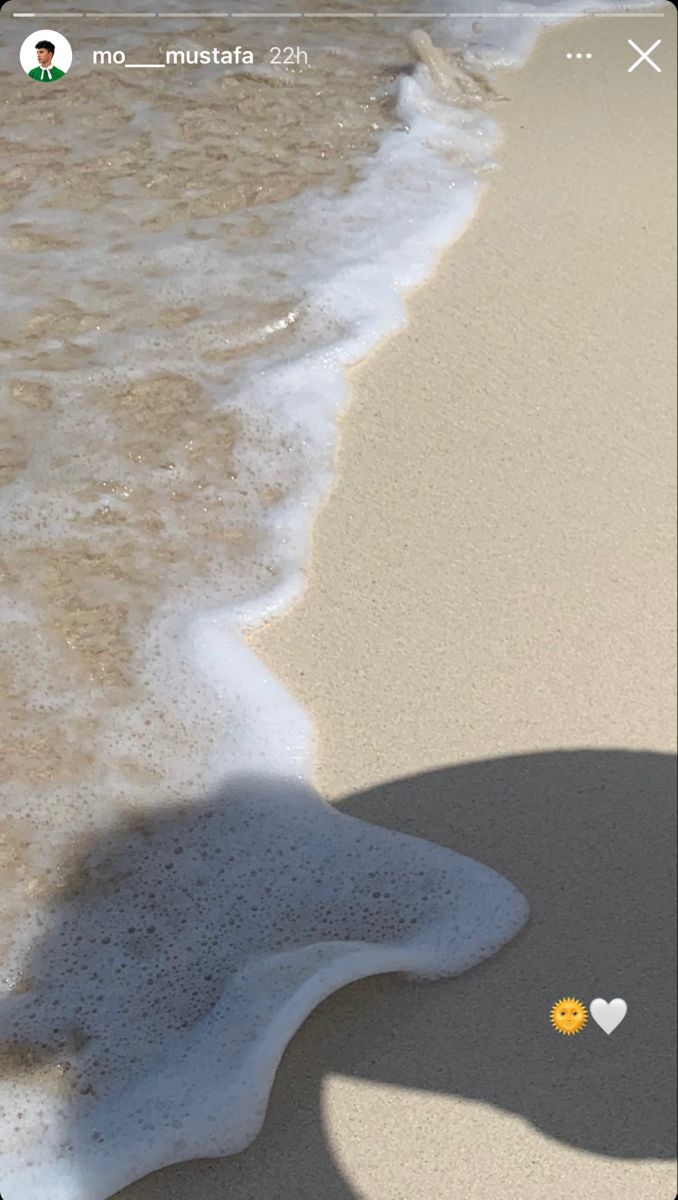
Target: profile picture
<point>46,55</point>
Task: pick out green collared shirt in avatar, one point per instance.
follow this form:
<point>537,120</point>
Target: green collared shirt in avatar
<point>46,74</point>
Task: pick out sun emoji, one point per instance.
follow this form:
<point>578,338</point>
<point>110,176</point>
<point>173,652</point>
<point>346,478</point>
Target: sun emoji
<point>568,1016</point>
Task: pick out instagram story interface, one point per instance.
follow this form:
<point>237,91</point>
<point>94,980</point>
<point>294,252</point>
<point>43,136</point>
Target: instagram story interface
<point>337,669</point>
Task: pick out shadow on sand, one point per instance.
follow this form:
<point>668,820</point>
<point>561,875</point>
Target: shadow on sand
<point>588,836</point>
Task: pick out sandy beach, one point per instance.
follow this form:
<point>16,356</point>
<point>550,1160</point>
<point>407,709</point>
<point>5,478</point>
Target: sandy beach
<point>486,646</point>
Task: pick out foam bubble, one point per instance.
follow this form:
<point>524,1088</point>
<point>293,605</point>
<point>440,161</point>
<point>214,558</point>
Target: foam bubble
<point>182,956</point>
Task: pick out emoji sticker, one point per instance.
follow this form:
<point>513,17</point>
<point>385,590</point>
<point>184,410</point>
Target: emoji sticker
<point>568,1016</point>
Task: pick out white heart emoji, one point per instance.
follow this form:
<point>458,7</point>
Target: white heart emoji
<point>608,1013</point>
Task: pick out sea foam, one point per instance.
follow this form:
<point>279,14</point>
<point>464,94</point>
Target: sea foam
<point>184,954</point>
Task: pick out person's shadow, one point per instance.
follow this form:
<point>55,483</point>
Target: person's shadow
<point>589,838</point>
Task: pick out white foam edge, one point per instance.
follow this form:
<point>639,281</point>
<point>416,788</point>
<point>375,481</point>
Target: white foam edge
<point>275,728</point>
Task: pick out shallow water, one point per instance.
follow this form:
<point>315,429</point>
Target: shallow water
<point>188,266</point>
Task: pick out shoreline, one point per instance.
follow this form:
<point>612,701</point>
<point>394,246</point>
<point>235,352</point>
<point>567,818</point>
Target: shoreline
<point>390,647</point>
<point>363,633</point>
<point>273,641</point>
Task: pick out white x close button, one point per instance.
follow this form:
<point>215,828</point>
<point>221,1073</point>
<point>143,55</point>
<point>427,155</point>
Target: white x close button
<point>645,56</point>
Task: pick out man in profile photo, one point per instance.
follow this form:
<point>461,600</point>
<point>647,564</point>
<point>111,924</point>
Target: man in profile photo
<point>45,72</point>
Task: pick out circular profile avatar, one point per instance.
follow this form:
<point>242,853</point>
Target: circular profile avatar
<point>46,56</point>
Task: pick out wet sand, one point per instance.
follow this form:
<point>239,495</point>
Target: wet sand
<point>486,644</point>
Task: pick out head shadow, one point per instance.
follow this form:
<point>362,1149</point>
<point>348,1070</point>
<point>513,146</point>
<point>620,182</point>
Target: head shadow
<point>588,837</point>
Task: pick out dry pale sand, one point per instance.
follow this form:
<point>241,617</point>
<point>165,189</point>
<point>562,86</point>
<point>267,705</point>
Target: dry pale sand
<point>486,644</point>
